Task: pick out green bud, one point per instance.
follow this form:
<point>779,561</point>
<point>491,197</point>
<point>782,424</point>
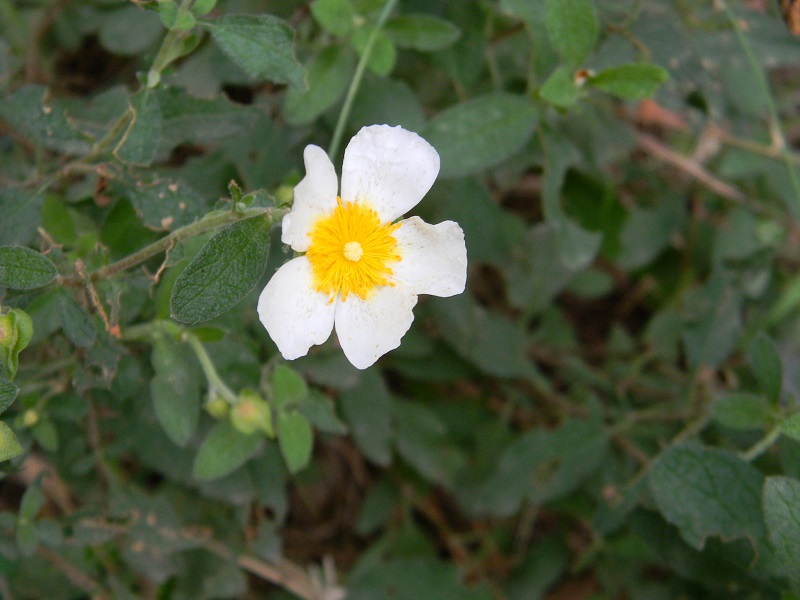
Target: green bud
<point>252,413</point>
<point>16,330</point>
<point>217,407</point>
<point>284,195</point>
<point>30,418</point>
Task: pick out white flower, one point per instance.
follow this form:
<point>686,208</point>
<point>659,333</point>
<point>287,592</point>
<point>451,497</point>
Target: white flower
<point>360,271</point>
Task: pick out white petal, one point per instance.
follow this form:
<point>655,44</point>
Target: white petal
<point>368,329</point>
<point>389,167</point>
<point>434,257</point>
<point>296,316</point>
<point>314,197</point>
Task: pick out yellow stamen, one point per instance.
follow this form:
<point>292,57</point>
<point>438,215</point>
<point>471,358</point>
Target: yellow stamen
<point>350,251</point>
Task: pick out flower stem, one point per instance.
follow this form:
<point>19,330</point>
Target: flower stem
<point>762,445</point>
<point>215,382</point>
<point>775,124</point>
<point>338,132</point>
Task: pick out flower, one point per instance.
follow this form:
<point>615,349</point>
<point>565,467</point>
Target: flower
<point>361,272</point>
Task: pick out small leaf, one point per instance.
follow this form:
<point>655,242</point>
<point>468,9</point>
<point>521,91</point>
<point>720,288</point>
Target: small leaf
<point>76,324</point>
<point>631,82</point>
<point>572,27</point>
<point>321,413</point>
<point>223,272</point>
<point>32,501</point>
<point>481,133</point>
<point>9,446</point>
<point>383,55</point>
<point>791,426</point>
<point>175,390</point>
<point>224,450</point>
<point>742,411</point>
<point>8,393</point>
<point>337,16</point>
<point>328,75</point>
<point>25,269</point>
<point>708,492</point>
<point>295,439</point>
<point>26,538</point>
<point>203,7</point>
<point>781,499</point>
<point>560,89</point>
<point>261,45</point>
<point>143,136</point>
<point>422,32</point>
<point>766,365</point>
<point>21,212</point>
<point>367,410</point>
<point>288,387</point>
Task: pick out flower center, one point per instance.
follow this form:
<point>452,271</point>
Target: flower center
<point>350,251</point>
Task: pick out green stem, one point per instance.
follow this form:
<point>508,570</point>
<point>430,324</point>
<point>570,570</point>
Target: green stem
<point>215,382</point>
<point>762,445</point>
<point>166,52</point>
<point>209,222</point>
<point>338,132</point>
<point>775,125</point>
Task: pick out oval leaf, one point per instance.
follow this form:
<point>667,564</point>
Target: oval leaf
<point>25,269</point>
<point>175,390</point>
<point>766,364</point>
<point>295,439</point>
<point>8,393</point>
<point>328,75</point>
<point>782,515</point>
<point>422,32</point>
<point>572,28</point>
<point>224,450</point>
<point>632,82</point>
<point>708,492</point>
<point>481,133</point>
<point>9,446</point>
<point>261,45</point>
<point>742,411</point>
<point>223,272</point>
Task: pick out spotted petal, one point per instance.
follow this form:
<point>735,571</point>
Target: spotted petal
<point>390,168</point>
<point>368,329</point>
<point>295,315</point>
<point>314,197</point>
<point>434,257</point>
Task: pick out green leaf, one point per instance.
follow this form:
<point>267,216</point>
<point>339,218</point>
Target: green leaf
<point>76,324</point>
<point>367,410</point>
<point>224,450</point>
<point>130,30</point>
<point>26,539</point>
<point>261,45</point>
<point>143,136</point>
<point>422,32</point>
<point>8,393</point>
<point>32,113</point>
<point>337,16</point>
<point>163,204</point>
<point>328,75</point>
<point>766,365</point>
<point>321,413</point>
<point>295,439</point>
<point>25,269</point>
<point>288,387</point>
<point>631,82</point>
<point>383,55</point>
<point>781,499</point>
<point>560,89</point>
<point>708,492</point>
<point>175,390</point>
<point>203,7</point>
<point>9,446</point>
<point>32,501</point>
<point>16,331</point>
<point>742,411</point>
<point>791,426</point>
<point>223,272</point>
<point>21,214</point>
<point>572,27</point>
<point>481,133</point>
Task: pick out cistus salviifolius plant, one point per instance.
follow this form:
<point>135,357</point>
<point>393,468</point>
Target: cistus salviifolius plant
<point>216,217</point>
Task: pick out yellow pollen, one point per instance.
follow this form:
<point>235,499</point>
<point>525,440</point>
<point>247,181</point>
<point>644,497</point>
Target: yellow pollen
<point>353,251</point>
<point>350,251</point>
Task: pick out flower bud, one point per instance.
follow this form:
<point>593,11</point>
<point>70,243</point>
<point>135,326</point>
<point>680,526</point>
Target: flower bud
<point>30,418</point>
<point>252,413</point>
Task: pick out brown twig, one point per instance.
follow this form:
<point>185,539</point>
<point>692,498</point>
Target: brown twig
<point>78,578</point>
